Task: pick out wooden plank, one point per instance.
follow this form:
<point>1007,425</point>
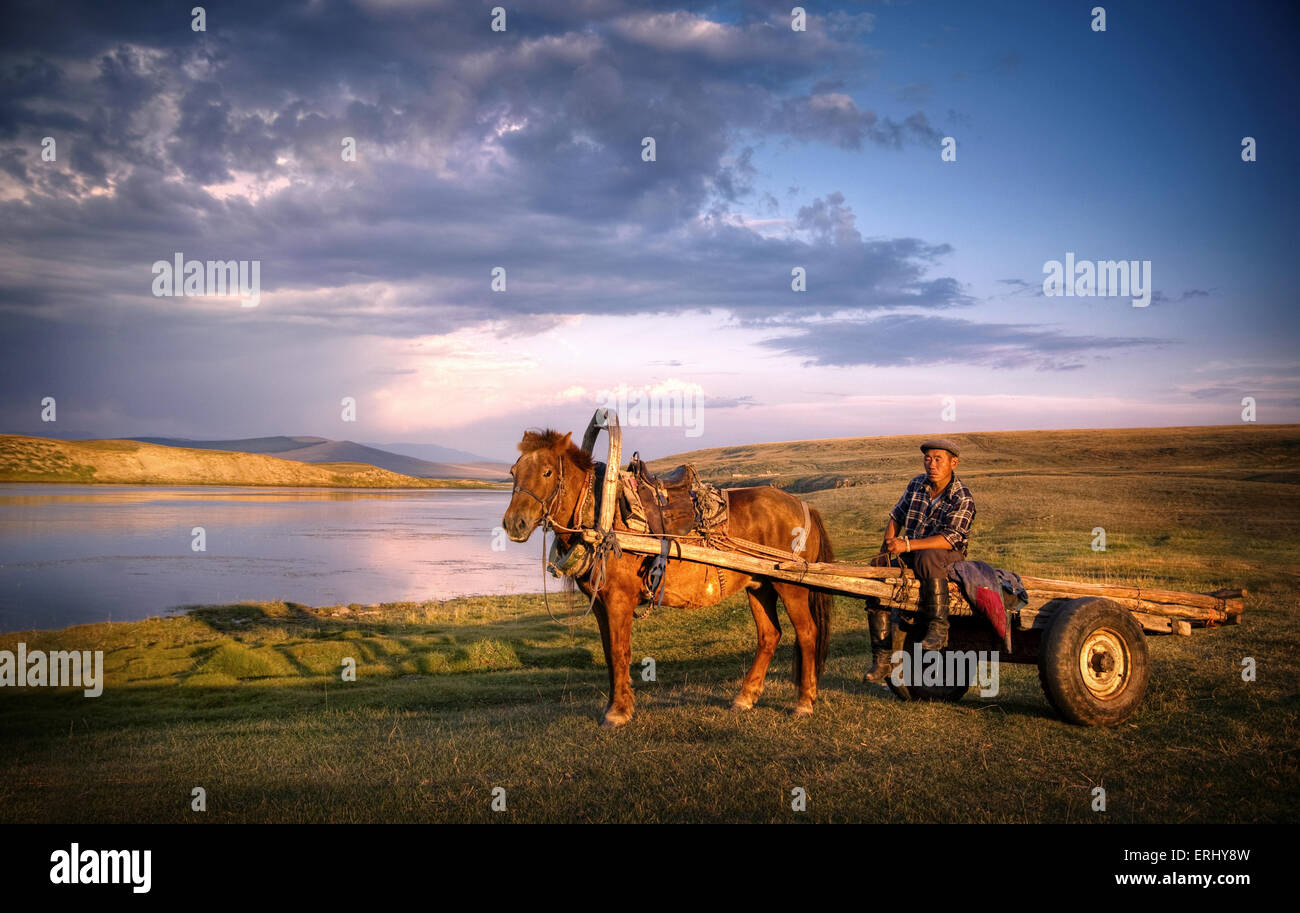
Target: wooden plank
<point>608,420</point>
<point>1154,624</point>
<point>882,583</point>
<point>1046,602</point>
<point>1216,606</point>
<point>1112,591</point>
<point>1220,600</point>
<point>649,545</point>
<point>843,569</point>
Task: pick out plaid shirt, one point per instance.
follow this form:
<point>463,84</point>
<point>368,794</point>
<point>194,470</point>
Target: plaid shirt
<point>950,515</point>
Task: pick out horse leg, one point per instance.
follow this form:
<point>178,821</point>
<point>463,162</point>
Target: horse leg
<point>795,598</point>
<point>762,602</point>
<point>602,622</point>
<point>618,656</point>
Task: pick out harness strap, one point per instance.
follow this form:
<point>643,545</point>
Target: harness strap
<point>656,577</point>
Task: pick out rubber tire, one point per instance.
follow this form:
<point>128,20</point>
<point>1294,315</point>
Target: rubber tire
<point>949,693</point>
<point>1059,662</point>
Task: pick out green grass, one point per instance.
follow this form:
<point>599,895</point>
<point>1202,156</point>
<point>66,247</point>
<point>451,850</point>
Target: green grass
<point>456,698</point>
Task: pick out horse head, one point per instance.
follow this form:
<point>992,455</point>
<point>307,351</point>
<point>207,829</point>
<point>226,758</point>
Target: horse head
<point>547,477</point>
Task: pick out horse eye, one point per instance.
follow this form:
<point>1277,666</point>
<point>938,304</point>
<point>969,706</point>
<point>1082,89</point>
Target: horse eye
<point>547,474</point>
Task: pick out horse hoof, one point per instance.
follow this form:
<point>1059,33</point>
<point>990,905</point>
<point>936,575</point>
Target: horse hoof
<point>801,710</point>
<point>740,706</point>
<point>614,720</point>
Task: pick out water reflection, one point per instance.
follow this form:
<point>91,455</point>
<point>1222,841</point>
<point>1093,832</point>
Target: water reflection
<point>17,494</point>
<point>75,554</point>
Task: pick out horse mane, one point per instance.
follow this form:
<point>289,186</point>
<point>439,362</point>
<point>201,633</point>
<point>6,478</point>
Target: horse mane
<point>550,438</point>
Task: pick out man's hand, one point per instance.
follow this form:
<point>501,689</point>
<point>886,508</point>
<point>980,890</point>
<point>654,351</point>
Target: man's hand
<point>895,545</point>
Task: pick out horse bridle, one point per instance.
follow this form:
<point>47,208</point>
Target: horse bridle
<point>547,520</point>
<point>550,499</point>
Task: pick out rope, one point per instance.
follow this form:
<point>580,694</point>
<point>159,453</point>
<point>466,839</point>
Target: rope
<point>901,586</point>
<point>549,523</point>
<point>546,598</point>
<point>598,571</point>
<point>759,550</point>
<point>609,543</point>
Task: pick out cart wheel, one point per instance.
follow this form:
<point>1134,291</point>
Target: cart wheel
<point>951,693</point>
<point>1093,663</point>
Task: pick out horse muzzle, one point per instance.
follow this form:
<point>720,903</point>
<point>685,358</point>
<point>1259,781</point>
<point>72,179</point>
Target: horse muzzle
<point>519,528</point>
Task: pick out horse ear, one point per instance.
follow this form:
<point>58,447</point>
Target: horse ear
<point>564,444</point>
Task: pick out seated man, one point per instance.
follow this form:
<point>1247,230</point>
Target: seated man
<point>934,515</point>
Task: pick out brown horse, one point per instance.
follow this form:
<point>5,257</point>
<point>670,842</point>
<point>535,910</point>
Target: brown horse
<point>549,478</point>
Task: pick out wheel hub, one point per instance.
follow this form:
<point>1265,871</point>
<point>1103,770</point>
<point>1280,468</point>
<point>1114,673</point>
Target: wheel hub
<point>1104,663</point>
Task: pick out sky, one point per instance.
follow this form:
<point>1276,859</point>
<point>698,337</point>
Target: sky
<point>127,137</point>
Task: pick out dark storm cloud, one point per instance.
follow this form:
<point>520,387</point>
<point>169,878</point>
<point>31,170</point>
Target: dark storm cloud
<point>475,150</point>
<point>105,376</point>
<point>915,340</point>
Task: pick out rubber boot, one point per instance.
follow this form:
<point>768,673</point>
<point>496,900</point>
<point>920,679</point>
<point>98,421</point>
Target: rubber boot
<point>881,646</point>
<point>934,604</point>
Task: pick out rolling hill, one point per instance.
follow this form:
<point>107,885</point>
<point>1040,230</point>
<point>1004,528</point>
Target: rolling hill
<point>128,462</point>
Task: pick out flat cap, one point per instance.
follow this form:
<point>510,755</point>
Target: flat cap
<point>941,443</point>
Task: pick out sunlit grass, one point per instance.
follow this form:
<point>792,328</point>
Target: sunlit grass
<point>455,698</point>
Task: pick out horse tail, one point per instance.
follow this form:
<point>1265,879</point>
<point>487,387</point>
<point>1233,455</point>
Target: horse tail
<point>820,602</point>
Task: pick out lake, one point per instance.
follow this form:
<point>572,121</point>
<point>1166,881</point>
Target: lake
<point>75,554</point>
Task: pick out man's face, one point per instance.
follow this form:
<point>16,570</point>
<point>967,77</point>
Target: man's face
<point>939,465</point>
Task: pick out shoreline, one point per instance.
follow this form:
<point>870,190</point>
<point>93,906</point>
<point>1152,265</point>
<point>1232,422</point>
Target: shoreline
<point>335,611</point>
<point>464,484</point>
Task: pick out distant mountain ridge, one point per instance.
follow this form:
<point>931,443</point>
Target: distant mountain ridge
<point>312,449</point>
<point>276,444</point>
<point>433,452</point>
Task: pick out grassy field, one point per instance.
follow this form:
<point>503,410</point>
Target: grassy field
<point>37,459</point>
<point>454,699</point>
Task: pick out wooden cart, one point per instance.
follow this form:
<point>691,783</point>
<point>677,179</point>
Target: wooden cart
<point>1087,639</point>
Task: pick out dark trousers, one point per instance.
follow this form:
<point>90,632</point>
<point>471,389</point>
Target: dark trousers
<point>931,562</point>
